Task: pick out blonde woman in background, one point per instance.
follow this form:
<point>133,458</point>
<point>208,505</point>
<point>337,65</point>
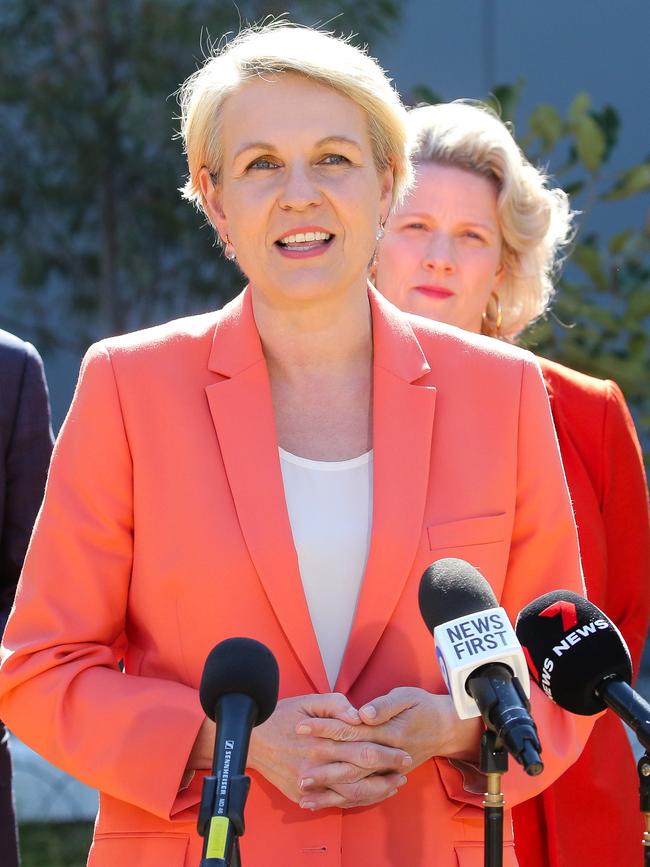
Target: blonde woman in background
<point>475,245</point>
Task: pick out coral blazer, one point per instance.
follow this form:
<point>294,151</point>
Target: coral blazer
<point>599,794</point>
<point>164,530</point>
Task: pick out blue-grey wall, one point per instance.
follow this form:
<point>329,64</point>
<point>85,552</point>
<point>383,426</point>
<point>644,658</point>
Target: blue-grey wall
<point>461,48</point>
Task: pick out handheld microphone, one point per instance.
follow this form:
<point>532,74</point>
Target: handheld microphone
<point>239,690</point>
<point>580,659</point>
<point>479,656</point>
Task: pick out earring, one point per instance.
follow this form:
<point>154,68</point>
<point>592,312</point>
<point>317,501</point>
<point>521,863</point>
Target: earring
<point>229,250</point>
<point>492,326</point>
<point>380,230</point>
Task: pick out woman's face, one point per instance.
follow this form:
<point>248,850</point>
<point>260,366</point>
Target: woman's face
<point>299,195</point>
<point>441,254</point>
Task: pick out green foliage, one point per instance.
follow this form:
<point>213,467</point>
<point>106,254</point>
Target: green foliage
<point>600,320</point>
<point>90,215</point>
<point>629,183</point>
<point>422,93</point>
<point>546,124</point>
<point>504,99</point>
<point>60,844</point>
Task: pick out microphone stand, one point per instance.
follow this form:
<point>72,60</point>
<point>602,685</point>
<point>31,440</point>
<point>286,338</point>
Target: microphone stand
<point>493,763</point>
<point>643,767</point>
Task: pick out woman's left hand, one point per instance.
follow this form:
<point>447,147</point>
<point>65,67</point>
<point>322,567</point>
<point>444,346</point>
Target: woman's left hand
<point>408,718</point>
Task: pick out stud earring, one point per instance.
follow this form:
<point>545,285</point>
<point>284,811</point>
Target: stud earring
<point>380,230</point>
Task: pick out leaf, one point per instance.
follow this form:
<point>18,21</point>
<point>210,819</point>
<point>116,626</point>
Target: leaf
<point>633,181</point>
<point>574,188</point>
<point>422,93</point>
<point>609,122</point>
<point>588,259</point>
<point>545,122</point>
<point>639,305</point>
<point>590,143</point>
<point>504,98</point>
<point>618,243</point>
<point>579,107</point>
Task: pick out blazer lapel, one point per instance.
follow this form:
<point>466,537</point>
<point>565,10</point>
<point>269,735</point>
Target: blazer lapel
<point>242,413</point>
<point>402,426</point>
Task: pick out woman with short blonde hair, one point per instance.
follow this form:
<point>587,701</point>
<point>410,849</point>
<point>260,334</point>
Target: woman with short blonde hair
<point>270,51</point>
<point>286,468</point>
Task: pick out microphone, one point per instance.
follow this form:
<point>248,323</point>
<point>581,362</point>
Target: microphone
<point>580,659</point>
<point>239,690</point>
<point>479,656</point>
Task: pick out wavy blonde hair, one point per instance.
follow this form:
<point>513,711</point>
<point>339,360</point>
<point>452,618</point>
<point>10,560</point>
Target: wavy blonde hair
<point>535,220</point>
<point>280,47</point>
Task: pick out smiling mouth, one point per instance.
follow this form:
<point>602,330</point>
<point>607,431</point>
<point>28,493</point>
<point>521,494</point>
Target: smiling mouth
<point>302,241</point>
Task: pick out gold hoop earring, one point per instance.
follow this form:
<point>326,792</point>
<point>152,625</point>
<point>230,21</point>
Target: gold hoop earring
<point>492,325</point>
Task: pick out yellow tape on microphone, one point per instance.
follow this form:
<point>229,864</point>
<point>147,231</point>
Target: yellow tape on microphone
<point>217,837</point>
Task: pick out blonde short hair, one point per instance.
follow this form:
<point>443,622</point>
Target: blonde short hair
<point>280,47</point>
<point>535,221</point>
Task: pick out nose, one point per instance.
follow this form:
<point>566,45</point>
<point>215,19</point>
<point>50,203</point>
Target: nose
<point>439,253</point>
<point>299,191</point>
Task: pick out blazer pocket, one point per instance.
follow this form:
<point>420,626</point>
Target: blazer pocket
<point>145,850</point>
<point>468,531</point>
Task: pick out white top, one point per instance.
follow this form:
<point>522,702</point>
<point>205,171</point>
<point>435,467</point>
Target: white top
<point>330,510</point>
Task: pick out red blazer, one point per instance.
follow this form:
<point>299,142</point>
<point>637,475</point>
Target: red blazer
<point>591,814</point>
<point>165,530</point>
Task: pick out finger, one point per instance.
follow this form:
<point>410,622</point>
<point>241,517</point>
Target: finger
<point>331,774</point>
<point>333,729</point>
<point>367,791</point>
<point>333,705</point>
<point>385,707</point>
<point>367,756</point>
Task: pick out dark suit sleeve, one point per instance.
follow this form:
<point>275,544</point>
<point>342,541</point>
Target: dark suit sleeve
<point>27,450</point>
<point>625,516</point>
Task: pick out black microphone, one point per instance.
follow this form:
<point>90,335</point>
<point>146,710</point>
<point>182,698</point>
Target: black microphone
<point>239,690</point>
<point>580,659</point>
<point>479,655</point>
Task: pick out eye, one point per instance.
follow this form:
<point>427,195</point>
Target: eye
<point>414,224</point>
<point>262,163</point>
<point>334,160</point>
<point>472,235</point>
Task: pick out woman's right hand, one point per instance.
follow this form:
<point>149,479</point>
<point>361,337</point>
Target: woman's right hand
<point>361,773</point>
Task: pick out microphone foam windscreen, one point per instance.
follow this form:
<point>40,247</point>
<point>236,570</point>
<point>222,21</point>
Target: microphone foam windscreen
<point>240,665</point>
<point>570,647</point>
<point>451,588</point>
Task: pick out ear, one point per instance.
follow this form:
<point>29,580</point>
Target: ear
<point>387,182</point>
<point>499,276</point>
<point>212,194</point>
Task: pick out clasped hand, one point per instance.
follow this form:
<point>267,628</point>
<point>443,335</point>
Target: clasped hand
<point>322,752</point>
